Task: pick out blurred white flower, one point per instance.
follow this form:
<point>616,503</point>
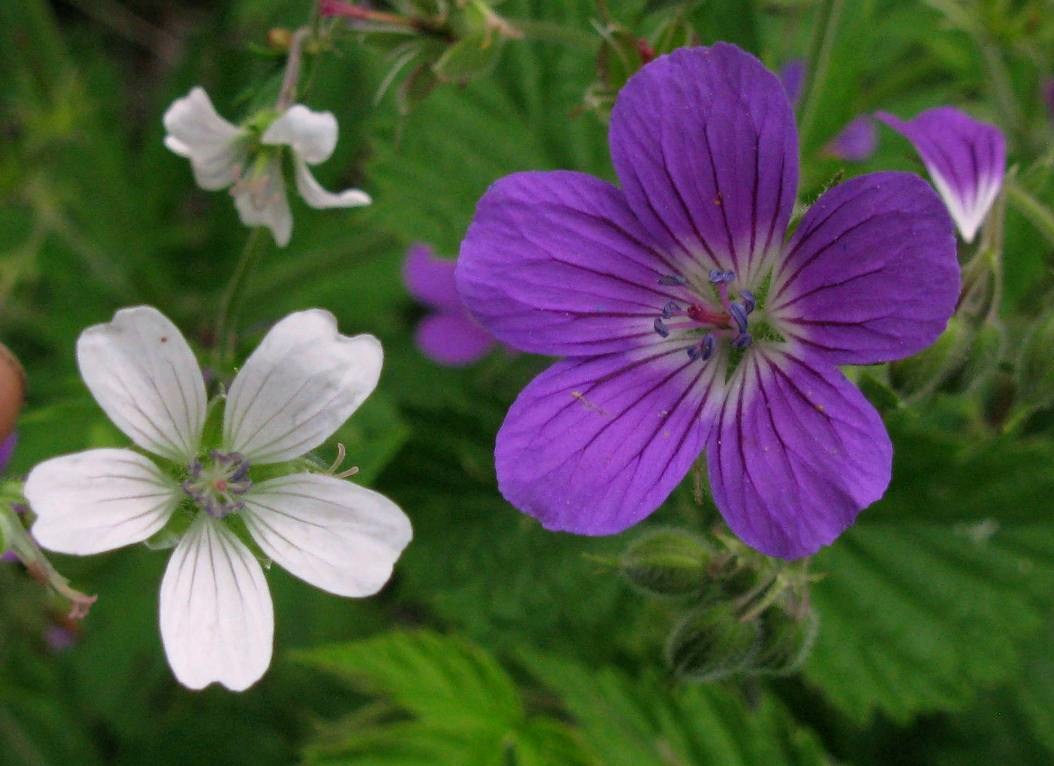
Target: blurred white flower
<point>294,391</point>
<point>249,161</point>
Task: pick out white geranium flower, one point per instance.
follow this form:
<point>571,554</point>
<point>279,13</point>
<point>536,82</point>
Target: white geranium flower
<point>249,159</point>
<point>297,388</point>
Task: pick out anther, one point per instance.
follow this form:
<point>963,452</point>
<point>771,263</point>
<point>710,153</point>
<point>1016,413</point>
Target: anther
<point>739,314</point>
<point>703,350</point>
<point>748,299</point>
<point>672,280</point>
<point>717,276</point>
<point>661,328</point>
<point>670,309</point>
<point>742,340</point>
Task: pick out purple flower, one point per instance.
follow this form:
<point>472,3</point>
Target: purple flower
<point>965,158</point>
<point>688,324</point>
<point>856,142</point>
<point>7,448</point>
<point>792,75</point>
<point>449,336</point>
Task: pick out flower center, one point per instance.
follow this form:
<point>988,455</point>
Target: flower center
<point>217,485</point>
<point>703,323</point>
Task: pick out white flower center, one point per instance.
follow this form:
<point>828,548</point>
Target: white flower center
<point>218,484</point>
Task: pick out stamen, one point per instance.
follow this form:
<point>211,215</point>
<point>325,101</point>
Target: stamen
<point>742,340</point>
<point>672,280</point>
<point>739,314</point>
<point>704,350</point>
<point>748,299</point>
<point>217,486</point>
<point>661,328</point>
<point>717,276</point>
<point>670,309</point>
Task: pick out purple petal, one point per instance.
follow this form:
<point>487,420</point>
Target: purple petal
<point>430,279</point>
<point>453,340</point>
<point>792,75</point>
<point>553,264</point>
<point>871,274</point>
<point>966,160</point>
<point>593,446</point>
<point>796,454</point>
<point>7,448</point>
<point>704,143</point>
<point>856,142</point>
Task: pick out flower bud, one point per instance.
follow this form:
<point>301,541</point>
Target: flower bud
<point>666,562</point>
<point>712,643</point>
<point>923,373</point>
<point>12,391</point>
<point>785,642</point>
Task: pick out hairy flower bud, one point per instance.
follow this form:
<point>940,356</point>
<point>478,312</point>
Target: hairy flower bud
<point>785,642</point>
<point>712,643</point>
<point>666,562</point>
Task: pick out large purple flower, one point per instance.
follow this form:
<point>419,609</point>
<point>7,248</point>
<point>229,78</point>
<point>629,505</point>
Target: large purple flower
<point>689,324</point>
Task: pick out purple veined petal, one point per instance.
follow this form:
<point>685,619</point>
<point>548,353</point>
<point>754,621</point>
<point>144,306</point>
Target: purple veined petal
<point>430,279</point>
<point>796,454</point>
<point>856,142</point>
<point>792,76</point>
<point>704,144</point>
<point>554,263</point>
<point>870,274</point>
<point>593,446</point>
<point>7,448</point>
<point>966,160</point>
<point>453,340</point>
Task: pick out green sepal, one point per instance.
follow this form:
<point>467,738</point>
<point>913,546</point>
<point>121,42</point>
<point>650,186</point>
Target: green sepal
<point>786,642</point>
<point>712,643</point>
<point>470,57</point>
<point>667,562</point>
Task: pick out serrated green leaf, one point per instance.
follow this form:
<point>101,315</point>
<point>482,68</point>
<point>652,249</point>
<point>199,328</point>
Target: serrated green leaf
<point>932,595</point>
<point>644,721</point>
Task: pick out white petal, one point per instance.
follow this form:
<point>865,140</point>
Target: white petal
<point>298,387</point>
<point>216,148</point>
<point>312,135</point>
<point>261,201</point>
<point>319,198</point>
<point>143,374</point>
<point>99,500</point>
<point>336,535</point>
<point>217,622</point>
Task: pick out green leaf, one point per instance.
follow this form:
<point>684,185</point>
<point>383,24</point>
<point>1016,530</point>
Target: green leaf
<point>643,721</point>
<point>932,595</point>
<point>465,707</point>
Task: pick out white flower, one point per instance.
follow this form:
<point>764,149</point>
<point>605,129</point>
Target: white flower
<point>294,391</point>
<point>224,155</point>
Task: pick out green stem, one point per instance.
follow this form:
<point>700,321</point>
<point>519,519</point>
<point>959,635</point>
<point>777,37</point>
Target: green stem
<point>1038,214</point>
<point>547,31</point>
<point>818,64</point>
<point>233,297</point>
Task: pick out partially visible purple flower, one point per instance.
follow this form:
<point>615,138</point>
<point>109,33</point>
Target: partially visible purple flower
<point>449,336</point>
<point>7,448</point>
<point>966,160</point>
<point>856,142</point>
<point>689,324</point>
<point>792,76</point>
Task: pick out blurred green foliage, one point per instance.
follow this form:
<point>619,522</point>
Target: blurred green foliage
<point>497,642</point>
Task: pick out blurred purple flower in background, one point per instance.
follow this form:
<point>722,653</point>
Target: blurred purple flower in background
<point>7,448</point>
<point>966,160</point>
<point>792,76</point>
<point>688,324</point>
<point>1048,96</point>
<point>856,142</point>
<point>449,336</point>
